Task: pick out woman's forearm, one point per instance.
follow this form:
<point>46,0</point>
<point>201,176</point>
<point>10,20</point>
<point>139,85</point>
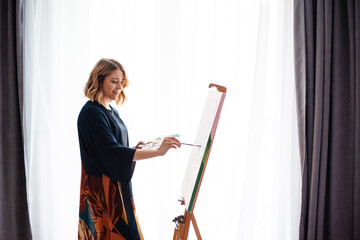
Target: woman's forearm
<point>145,153</point>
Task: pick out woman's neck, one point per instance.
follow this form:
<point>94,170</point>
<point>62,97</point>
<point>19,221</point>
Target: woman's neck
<point>105,102</point>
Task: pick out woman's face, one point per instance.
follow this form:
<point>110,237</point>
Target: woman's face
<point>113,84</point>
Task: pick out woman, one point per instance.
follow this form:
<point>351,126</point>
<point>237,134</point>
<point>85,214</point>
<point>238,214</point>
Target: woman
<point>106,204</point>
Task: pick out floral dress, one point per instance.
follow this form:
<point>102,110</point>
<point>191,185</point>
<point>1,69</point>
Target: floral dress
<point>107,209</point>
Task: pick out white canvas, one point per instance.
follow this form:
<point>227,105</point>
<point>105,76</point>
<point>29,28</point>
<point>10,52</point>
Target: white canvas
<point>202,137</point>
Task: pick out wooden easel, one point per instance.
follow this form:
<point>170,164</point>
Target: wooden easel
<point>182,222</point>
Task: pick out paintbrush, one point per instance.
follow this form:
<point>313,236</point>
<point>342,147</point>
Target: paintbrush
<point>192,145</point>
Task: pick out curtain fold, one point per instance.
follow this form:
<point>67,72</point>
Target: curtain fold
<point>327,64</point>
<point>14,217</point>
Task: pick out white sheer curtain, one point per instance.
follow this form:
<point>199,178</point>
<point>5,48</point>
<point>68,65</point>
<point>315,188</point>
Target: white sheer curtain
<point>172,50</point>
<point>271,194</point>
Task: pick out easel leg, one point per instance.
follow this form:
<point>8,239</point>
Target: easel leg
<point>195,226</point>
<point>187,224</point>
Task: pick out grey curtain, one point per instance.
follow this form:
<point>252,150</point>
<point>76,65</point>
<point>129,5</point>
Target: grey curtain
<point>14,217</point>
<point>327,69</point>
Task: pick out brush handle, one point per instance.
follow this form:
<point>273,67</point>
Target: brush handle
<point>193,145</point>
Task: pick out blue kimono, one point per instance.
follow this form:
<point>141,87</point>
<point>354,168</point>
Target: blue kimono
<point>107,209</point>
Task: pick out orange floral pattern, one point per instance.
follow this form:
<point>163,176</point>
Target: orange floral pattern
<point>101,208</point>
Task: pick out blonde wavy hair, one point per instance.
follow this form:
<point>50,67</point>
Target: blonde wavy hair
<point>93,88</point>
